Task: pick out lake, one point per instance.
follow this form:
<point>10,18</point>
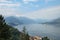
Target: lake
<point>51,31</point>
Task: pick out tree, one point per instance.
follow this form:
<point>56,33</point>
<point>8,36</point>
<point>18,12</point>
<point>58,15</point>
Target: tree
<point>45,38</point>
<point>24,30</point>
<point>15,34</point>
<point>4,29</point>
<point>25,35</point>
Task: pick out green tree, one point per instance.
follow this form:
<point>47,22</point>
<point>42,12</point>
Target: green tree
<point>4,29</point>
<point>15,34</point>
<point>25,35</point>
<point>45,38</point>
<point>24,30</point>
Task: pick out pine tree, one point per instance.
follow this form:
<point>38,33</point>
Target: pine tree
<point>45,38</point>
<point>4,29</point>
<point>25,35</point>
<point>24,30</point>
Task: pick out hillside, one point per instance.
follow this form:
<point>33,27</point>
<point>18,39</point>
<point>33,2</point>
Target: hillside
<point>55,21</point>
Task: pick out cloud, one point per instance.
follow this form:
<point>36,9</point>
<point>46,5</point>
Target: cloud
<point>47,13</point>
<point>30,0</point>
<point>9,8</point>
<point>27,1</point>
<point>5,1</point>
<point>47,1</point>
<point>10,12</point>
<point>10,5</point>
<point>2,0</point>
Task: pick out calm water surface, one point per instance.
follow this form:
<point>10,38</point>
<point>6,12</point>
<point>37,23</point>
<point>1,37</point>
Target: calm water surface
<point>52,31</point>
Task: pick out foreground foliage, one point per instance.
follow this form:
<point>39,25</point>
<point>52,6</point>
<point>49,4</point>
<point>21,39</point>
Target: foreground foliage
<point>7,32</point>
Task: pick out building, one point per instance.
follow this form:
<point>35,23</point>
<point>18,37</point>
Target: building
<point>35,38</point>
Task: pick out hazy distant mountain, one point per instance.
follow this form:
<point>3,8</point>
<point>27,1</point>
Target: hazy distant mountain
<point>55,21</point>
<point>13,21</point>
<point>41,20</point>
<point>18,20</point>
<point>26,20</point>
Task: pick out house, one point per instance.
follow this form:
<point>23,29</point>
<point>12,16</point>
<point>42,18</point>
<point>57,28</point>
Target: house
<point>35,38</point>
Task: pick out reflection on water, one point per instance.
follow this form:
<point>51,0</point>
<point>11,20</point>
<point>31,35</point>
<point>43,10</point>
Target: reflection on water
<point>52,31</point>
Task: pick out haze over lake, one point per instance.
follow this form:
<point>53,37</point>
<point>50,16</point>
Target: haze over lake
<point>42,30</point>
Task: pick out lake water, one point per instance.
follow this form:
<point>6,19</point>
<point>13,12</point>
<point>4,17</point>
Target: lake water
<point>51,31</point>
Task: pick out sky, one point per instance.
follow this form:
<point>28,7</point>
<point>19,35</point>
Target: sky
<point>35,9</point>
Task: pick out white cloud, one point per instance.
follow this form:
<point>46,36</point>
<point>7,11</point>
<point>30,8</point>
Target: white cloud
<point>7,8</point>
<point>46,1</point>
<point>10,12</point>
<point>30,0</point>
<point>27,1</point>
<point>37,6</point>
<point>10,5</point>
<point>5,1</point>
<point>48,13</point>
<point>2,0</point>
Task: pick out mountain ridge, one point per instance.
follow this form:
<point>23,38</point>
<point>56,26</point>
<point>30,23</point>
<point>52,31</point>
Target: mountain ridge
<point>12,20</point>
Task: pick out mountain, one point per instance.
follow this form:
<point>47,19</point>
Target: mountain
<point>55,21</point>
<point>41,21</point>
<point>26,20</point>
<point>13,21</point>
<point>18,20</point>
